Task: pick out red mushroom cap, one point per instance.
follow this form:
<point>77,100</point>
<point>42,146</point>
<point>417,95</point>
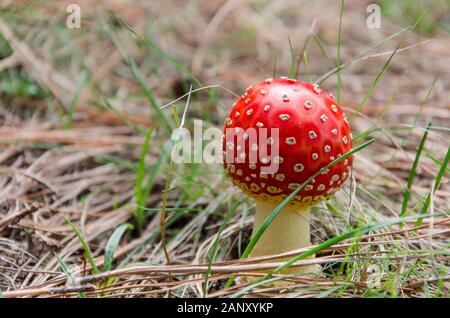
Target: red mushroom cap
<point>312,132</point>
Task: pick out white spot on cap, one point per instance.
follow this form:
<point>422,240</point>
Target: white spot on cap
<point>239,172</point>
<point>270,141</point>
<point>308,187</point>
<point>254,187</point>
<point>268,80</point>
<point>284,117</point>
<point>262,92</point>
<point>285,98</point>
<point>247,100</point>
<point>237,114</point>
<point>317,88</point>
<point>308,104</point>
<point>320,187</point>
<point>252,165</point>
<point>334,108</point>
<point>290,141</point>
<point>293,186</point>
<point>323,118</point>
<point>249,112</point>
<point>345,140</point>
<point>263,175</point>
<point>327,148</point>
<point>315,156</point>
<point>278,159</point>
<point>334,132</point>
<point>245,136</point>
<point>312,134</point>
<point>273,189</point>
<point>237,130</point>
<point>279,177</point>
<point>266,108</point>
<point>259,124</point>
<point>298,167</point>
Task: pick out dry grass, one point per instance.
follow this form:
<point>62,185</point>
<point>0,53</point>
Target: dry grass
<point>54,168</point>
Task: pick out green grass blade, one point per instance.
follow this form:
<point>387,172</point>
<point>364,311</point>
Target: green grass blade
<point>437,183</point>
<point>305,59</point>
<point>64,266</point>
<point>85,246</point>
<point>292,67</point>
<point>274,71</point>
<point>215,248</point>
<point>139,193</point>
<point>73,103</point>
<point>112,244</point>
<point>434,159</point>
<point>412,172</point>
<point>67,271</point>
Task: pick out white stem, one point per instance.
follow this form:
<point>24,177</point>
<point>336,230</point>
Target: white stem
<point>290,230</point>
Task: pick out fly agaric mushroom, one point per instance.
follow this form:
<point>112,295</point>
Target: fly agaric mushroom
<point>309,131</point>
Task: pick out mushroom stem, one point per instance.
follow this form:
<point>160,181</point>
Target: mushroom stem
<point>290,230</point>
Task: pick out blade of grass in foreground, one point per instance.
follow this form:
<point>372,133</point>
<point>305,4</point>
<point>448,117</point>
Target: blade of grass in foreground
<point>85,246</point>
<point>308,73</point>
<point>412,172</point>
<point>324,245</point>
<point>112,244</point>
<point>292,68</point>
<point>73,103</point>
<point>215,248</point>
<point>280,207</point>
<point>67,272</point>
<point>139,193</point>
<point>437,182</point>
